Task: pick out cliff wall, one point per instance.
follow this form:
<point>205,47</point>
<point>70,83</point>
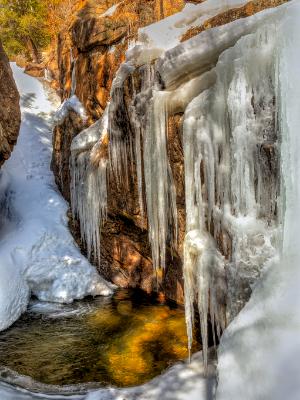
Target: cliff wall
<point>9,109</point>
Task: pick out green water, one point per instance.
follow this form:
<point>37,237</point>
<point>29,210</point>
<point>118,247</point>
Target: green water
<point>124,340</point>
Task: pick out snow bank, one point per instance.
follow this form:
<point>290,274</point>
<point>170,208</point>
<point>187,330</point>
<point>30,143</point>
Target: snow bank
<point>37,252</point>
<point>200,53</point>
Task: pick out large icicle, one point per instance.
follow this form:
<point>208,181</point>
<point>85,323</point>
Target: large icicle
<point>159,183</point>
<point>160,189</point>
<point>120,131</point>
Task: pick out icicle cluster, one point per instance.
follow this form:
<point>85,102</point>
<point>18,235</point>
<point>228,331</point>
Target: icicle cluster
<point>141,139</point>
<point>89,185</point>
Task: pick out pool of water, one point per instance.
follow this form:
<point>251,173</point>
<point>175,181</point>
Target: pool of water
<point>124,340</point>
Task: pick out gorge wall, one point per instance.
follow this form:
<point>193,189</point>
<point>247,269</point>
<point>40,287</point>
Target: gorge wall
<point>138,132</point>
<point>98,42</point>
<point>10,117</point>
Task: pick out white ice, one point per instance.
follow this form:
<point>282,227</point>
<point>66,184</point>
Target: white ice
<point>38,254</point>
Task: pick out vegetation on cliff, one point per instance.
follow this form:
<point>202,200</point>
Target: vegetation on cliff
<point>27,26</point>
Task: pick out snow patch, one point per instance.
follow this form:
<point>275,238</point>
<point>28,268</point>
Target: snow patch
<point>70,104</point>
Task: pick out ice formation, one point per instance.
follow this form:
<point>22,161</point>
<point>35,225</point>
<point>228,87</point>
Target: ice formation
<point>110,11</point>
<point>200,53</point>
<point>259,351</point>
<point>238,86</point>
<point>119,130</point>
<point>36,246</point>
<point>88,184</point>
<point>230,143</point>
<point>72,103</point>
<point>48,75</point>
<point>73,80</point>
<point>140,140</point>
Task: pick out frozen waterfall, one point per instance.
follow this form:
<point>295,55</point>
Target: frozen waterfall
<point>231,174</point>
<point>259,352</point>
<point>230,143</point>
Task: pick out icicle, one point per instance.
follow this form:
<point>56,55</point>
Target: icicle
<point>139,117</point>
<point>73,79</point>
<point>47,75</point>
<point>150,111</point>
<point>160,188</point>
<point>119,128</point>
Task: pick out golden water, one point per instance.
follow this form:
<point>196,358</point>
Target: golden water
<point>121,341</point>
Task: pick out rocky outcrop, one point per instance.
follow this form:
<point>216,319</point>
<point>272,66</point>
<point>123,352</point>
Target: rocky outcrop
<point>9,109</point>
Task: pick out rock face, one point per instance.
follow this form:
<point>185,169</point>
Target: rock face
<point>89,56</point>
<point>10,117</point>
<point>97,40</point>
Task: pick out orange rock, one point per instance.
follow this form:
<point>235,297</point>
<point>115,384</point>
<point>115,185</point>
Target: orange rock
<point>9,109</point>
